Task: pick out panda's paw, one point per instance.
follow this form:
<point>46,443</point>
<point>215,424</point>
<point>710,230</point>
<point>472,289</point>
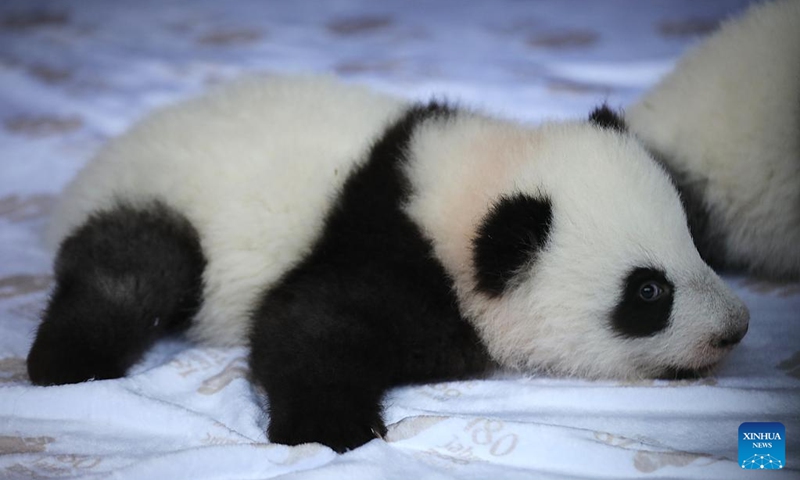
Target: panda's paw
<point>341,433</point>
<point>58,358</point>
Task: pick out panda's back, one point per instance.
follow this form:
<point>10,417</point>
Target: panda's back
<point>253,166</point>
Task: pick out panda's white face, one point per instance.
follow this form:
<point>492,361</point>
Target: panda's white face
<point>582,264</point>
<point>613,303</point>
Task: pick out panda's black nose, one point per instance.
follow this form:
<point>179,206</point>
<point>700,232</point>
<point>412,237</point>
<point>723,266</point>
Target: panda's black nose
<point>730,339</point>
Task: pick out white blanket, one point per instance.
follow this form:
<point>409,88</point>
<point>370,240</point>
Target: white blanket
<point>73,73</point>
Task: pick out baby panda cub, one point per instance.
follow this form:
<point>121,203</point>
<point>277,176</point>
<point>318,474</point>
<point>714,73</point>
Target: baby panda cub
<point>358,242</point>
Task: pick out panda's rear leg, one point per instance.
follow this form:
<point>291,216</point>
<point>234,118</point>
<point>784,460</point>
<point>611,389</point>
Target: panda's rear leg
<point>124,278</point>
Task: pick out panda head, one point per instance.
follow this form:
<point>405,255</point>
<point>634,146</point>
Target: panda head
<point>569,249</point>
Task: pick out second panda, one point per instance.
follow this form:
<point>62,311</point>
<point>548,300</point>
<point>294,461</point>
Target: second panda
<point>726,122</point>
<point>357,242</point>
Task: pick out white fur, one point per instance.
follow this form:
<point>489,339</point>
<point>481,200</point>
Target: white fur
<point>613,209</point>
<point>729,114</point>
<point>254,167</point>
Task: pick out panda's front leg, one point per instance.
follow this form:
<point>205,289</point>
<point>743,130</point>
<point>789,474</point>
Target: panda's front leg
<point>321,351</point>
<point>342,417</point>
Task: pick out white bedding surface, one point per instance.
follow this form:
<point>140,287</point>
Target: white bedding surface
<point>74,73</point>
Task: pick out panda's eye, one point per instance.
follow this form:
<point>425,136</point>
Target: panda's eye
<point>651,291</point>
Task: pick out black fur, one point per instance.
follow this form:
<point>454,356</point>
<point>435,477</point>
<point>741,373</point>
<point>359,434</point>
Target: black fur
<point>516,228</point>
<point>368,309</point>
<point>604,117</point>
<point>124,278</point>
<point>634,317</point>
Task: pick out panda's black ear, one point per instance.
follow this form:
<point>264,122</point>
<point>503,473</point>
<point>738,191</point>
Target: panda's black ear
<point>604,117</point>
<point>515,229</point>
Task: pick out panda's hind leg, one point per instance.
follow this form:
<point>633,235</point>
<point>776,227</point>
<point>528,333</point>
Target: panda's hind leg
<point>127,276</point>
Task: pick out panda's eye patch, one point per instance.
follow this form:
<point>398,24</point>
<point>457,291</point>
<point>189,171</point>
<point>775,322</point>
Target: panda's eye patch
<point>645,303</point>
<point>651,291</point>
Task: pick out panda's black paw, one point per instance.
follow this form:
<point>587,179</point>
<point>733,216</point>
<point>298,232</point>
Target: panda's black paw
<point>58,358</point>
<point>341,432</point>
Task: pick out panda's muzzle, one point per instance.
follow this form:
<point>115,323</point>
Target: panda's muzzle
<point>737,324</point>
<point>730,339</point>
